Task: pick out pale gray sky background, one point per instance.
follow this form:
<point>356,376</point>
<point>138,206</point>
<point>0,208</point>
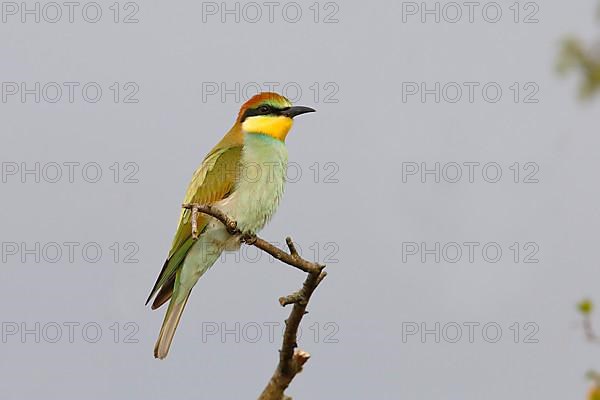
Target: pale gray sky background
<point>350,207</point>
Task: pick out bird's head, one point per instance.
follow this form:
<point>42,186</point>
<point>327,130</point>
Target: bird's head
<point>270,114</point>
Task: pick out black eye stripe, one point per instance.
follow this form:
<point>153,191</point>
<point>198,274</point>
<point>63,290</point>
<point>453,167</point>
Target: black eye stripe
<point>260,110</point>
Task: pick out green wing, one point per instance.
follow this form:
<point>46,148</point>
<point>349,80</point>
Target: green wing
<point>213,181</point>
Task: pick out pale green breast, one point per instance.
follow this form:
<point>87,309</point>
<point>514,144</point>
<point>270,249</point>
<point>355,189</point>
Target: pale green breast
<point>260,184</point>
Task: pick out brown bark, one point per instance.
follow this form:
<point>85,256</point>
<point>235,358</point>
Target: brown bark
<point>291,358</point>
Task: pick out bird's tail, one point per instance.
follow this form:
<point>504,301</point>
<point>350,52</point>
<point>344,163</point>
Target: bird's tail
<point>202,255</point>
<point>167,331</point>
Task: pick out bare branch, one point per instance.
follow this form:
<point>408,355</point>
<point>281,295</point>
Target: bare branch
<point>291,359</point>
<point>291,246</point>
<point>229,223</point>
<point>292,258</point>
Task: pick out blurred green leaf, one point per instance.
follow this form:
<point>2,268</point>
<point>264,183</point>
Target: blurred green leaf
<point>594,393</point>
<point>573,55</point>
<point>591,375</point>
<point>585,307</point>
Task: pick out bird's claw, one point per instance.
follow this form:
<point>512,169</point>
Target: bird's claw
<point>249,238</point>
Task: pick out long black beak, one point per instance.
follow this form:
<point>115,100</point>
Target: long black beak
<point>297,110</point>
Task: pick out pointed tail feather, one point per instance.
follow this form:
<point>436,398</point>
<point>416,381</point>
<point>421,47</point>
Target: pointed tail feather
<point>164,294</point>
<point>167,331</point>
<point>197,261</point>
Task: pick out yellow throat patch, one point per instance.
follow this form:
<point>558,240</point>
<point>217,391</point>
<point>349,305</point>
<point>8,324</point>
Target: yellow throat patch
<point>274,126</point>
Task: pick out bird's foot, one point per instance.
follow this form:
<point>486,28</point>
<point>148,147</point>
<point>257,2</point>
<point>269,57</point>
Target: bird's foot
<point>248,238</point>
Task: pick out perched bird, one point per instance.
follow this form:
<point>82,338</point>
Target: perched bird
<point>255,143</point>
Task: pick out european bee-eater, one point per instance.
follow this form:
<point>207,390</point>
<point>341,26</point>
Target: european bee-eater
<point>255,143</point>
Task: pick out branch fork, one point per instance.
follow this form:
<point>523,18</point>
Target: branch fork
<point>291,358</point>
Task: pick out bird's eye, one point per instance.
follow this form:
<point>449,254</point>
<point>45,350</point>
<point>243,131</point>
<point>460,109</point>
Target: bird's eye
<point>264,109</point>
